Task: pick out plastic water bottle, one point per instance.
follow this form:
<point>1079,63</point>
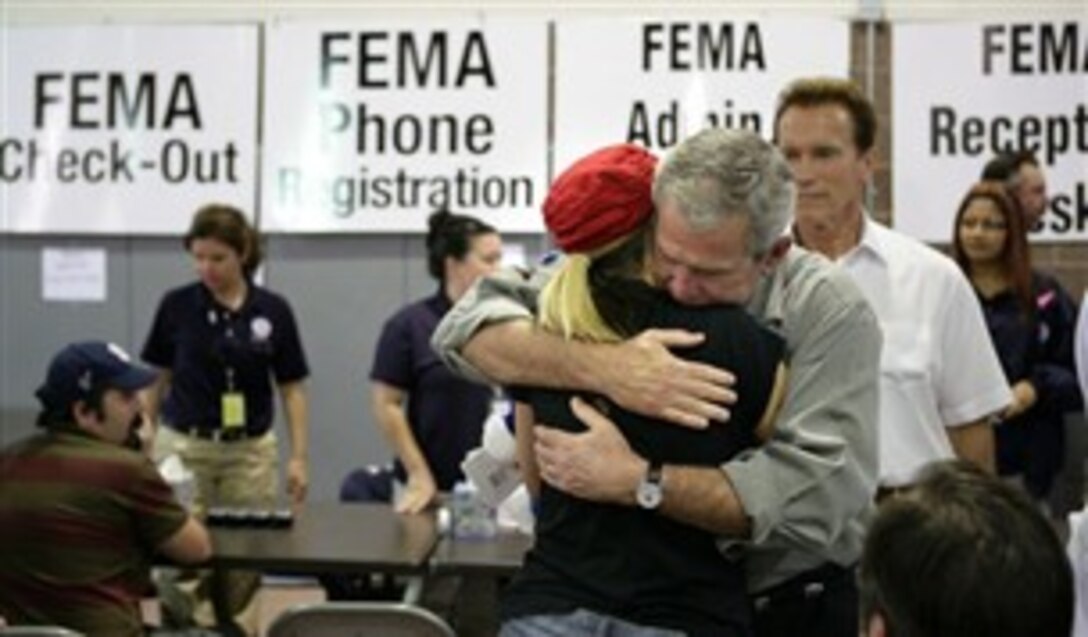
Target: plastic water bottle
<point>472,518</point>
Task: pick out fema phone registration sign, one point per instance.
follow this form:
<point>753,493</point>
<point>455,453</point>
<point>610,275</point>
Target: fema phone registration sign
<point>372,125</point>
<point>124,129</point>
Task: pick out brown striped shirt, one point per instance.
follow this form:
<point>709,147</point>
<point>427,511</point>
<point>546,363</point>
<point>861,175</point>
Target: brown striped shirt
<point>80,521</point>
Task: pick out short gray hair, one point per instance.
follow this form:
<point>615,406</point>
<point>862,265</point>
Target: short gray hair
<point>718,173</point>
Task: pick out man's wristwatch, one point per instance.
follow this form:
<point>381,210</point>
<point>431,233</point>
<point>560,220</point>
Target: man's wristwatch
<point>649,492</point>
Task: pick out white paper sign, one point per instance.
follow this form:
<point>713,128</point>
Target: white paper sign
<point>125,129</point>
<point>74,274</point>
<point>370,126</point>
<point>656,81</point>
<point>964,92</point>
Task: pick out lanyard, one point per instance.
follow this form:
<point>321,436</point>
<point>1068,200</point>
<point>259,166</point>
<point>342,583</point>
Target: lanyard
<point>220,351</point>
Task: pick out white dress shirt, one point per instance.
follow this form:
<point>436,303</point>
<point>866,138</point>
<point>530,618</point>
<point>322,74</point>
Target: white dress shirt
<point>938,368</point>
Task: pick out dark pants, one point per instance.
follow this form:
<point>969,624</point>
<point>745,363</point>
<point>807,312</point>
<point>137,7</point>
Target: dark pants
<point>1034,449</point>
<point>822,602</point>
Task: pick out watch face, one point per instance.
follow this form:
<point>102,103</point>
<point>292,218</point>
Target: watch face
<point>648,495</point>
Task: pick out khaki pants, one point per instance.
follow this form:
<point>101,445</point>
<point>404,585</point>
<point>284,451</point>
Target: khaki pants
<point>232,474</point>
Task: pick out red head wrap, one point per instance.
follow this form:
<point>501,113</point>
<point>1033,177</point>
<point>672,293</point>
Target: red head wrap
<point>601,197</point>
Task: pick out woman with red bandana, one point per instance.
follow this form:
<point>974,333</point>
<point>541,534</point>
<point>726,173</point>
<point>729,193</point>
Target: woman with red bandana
<point>599,568</point>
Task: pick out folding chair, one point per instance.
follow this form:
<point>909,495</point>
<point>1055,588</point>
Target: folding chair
<point>359,619</point>
<point>37,631</point>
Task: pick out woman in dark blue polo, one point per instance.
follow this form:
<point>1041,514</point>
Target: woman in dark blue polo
<point>430,417</point>
<point>1031,320</point>
<point>224,346</point>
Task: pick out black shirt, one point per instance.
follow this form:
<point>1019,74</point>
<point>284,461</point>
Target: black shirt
<point>1037,347</point>
<point>211,350</point>
<point>634,564</point>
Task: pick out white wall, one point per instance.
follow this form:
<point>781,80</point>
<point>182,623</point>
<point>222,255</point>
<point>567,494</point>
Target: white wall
<point>22,11</point>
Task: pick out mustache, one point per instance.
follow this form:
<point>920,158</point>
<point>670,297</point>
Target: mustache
<point>136,423</point>
<point>132,440</point>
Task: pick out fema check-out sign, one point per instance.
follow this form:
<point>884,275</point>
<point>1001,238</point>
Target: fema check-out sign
<point>122,129</point>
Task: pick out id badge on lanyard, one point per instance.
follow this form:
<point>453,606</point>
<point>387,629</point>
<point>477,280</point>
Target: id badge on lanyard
<point>232,405</point>
<point>234,410</point>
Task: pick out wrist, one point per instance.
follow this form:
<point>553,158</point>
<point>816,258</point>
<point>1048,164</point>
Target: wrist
<point>418,475</point>
<point>634,475</point>
<point>594,367</point>
<point>649,490</point>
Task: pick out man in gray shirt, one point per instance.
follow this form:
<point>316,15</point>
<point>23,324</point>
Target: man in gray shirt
<point>796,506</point>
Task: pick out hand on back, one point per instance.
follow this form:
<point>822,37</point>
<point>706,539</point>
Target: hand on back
<point>644,376</point>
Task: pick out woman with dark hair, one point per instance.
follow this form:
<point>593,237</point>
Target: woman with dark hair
<point>430,417</point>
<point>1031,320</point>
<point>221,344</point>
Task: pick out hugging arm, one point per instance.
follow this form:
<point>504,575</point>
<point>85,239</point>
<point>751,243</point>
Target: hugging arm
<point>490,335</point>
<point>809,483</point>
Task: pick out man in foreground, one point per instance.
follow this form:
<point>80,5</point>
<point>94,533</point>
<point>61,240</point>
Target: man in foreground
<point>962,553</point>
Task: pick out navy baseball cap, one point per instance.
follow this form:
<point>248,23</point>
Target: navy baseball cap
<point>80,366</point>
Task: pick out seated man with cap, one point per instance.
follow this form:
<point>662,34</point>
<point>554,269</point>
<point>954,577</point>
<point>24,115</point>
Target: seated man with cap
<point>82,510</point>
<point>597,567</point>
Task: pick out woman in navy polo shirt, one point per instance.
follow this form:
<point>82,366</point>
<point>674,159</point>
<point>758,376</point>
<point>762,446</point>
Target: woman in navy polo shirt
<point>221,344</point>
<point>430,417</point>
<point>1031,320</point>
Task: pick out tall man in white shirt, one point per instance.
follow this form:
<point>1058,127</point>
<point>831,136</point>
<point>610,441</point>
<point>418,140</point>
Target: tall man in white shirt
<point>940,378</point>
